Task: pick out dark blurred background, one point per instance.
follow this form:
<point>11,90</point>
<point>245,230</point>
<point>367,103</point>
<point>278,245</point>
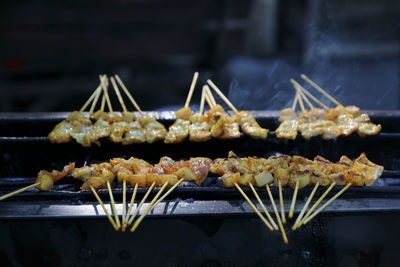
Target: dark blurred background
<point>51,52</point>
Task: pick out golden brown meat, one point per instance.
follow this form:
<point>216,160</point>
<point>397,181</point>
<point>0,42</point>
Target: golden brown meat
<point>100,129</point>
<point>199,129</point>
<point>154,131</point>
<point>230,128</point>
<point>250,126</point>
<point>289,125</point>
<point>134,134</point>
<point>279,166</point>
<point>177,132</point>
<point>315,122</point>
<point>363,171</point>
<point>61,133</point>
<point>184,113</point>
<point>46,179</point>
<point>300,169</point>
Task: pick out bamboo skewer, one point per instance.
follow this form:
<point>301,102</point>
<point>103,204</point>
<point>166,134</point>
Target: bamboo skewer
<point>149,207</point>
<point>104,209</point>
<point>123,204</point>
<point>141,203</point>
<point>327,203</point>
<point>203,95</point>
<point>121,101</point>
<point>274,226</point>
<point>130,207</point>
<point>208,100</point>
<point>192,85</point>
<point>213,86</point>
<point>316,204</point>
<point>298,87</point>
<point>169,191</point>
<point>19,191</point>
<point>303,210</point>
<point>129,95</point>
<point>293,204</point>
<point>113,205</point>
<point>285,240</point>
<point>103,102</point>
<point>281,202</point>
<point>211,97</point>
<point>96,98</point>
<point>300,100</point>
<point>313,84</point>
<point>105,90</point>
<point>253,206</point>
<point>87,103</point>
<point>295,101</point>
<point>313,97</point>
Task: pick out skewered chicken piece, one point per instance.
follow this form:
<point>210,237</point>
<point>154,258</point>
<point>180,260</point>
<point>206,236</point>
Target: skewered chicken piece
<point>46,179</point>
<point>292,169</point>
<point>95,175</point>
<point>194,169</point>
<point>289,125</point>
<point>250,126</point>
<point>154,130</point>
<point>178,131</point>
<point>199,129</point>
<point>222,126</point>
<point>64,131</point>
<point>363,172</point>
<point>314,122</point>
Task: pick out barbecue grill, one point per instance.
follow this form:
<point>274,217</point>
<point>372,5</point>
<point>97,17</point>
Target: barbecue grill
<point>26,150</point>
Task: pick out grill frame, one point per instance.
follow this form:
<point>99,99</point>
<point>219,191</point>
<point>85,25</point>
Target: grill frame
<point>211,199</point>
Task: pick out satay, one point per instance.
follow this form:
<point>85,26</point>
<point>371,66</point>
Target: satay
<point>46,179</point>
<point>250,126</point>
<point>179,130</point>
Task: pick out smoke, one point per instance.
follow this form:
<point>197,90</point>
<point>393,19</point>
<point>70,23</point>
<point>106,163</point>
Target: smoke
<point>357,62</point>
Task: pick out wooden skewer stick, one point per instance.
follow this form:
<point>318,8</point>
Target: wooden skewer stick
<point>274,226</point>
<point>213,86</point>
<point>253,206</point>
<point>94,103</point>
<point>316,204</point>
<point>303,210</point>
<point>121,101</point>
<point>113,205</point>
<point>327,203</point>
<point>281,202</point>
<point>168,192</point>
<point>105,90</point>
<point>211,96</point>
<point>129,94</point>
<point>285,240</point>
<point>123,204</point>
<point>297,86</point>
<point>141,203</point>
<point>293,204</point>
<point>19,191</point>
<point>203,95</point>
<point>103,102</point>
<point>313,84</point>
<point>208,98</point>
<point>164,196</point>
<point>313,97</point>
<point>87,103</point>
<point>104,209</point>
<point>192,85</point>
<point>295,101</point>
<point>130,207</point>
<point>149,207</point>
<point>300,100</point>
